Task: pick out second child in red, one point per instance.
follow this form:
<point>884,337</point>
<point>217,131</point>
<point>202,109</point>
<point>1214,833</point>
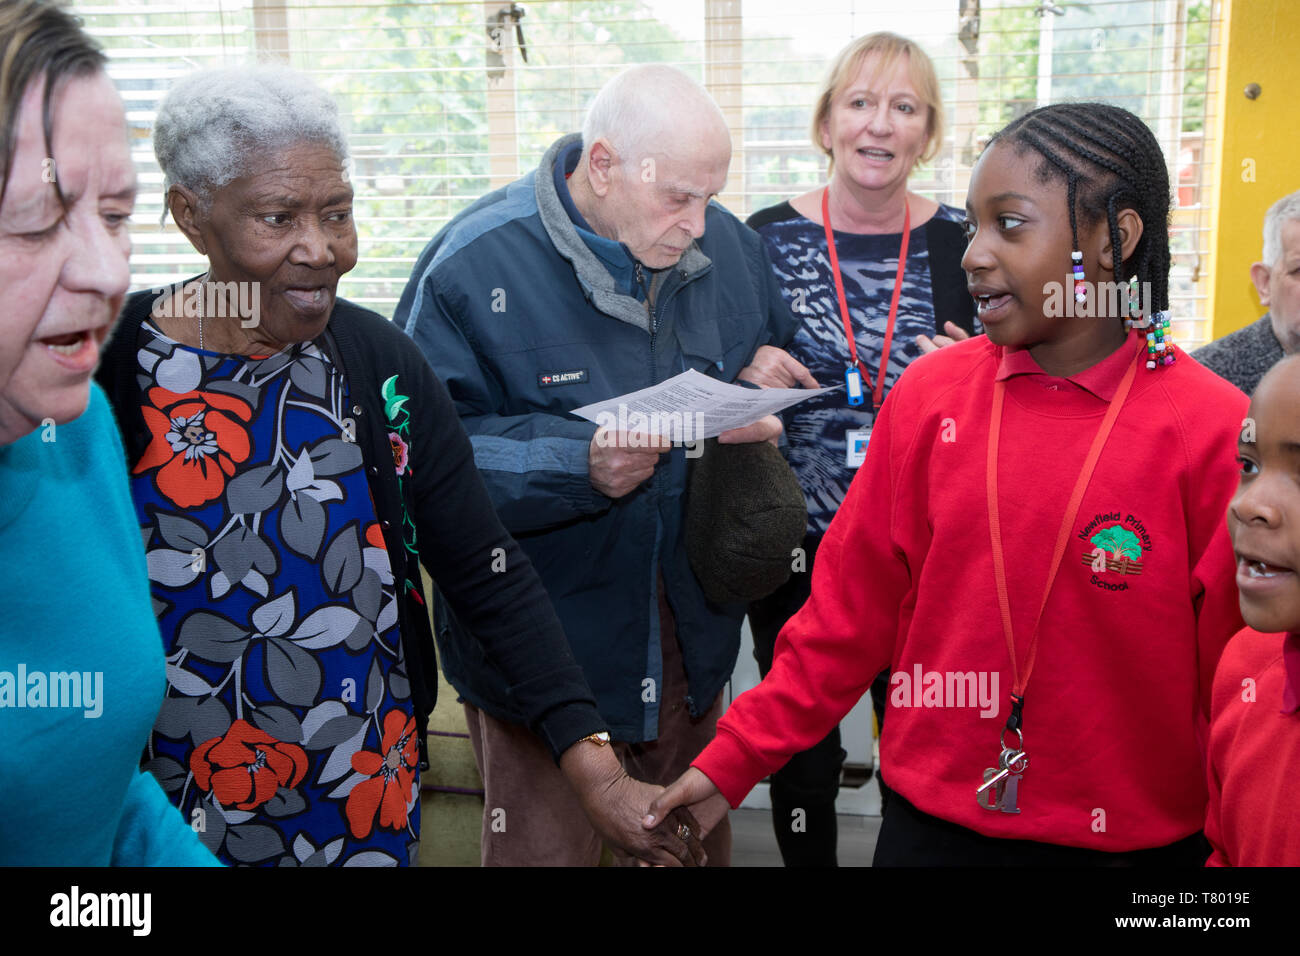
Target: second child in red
<point>1254,755</point>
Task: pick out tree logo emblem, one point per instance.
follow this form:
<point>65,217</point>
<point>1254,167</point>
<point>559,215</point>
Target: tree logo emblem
<point>1116,549</point>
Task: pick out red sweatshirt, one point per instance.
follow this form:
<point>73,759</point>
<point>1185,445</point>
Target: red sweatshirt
<point>1254,813</point>
<point>1117,707</point>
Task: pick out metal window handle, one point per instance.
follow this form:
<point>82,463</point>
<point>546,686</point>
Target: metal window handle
<point>514,13</point>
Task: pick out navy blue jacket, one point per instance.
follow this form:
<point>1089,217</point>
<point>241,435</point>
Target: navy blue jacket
<point>523,323</point>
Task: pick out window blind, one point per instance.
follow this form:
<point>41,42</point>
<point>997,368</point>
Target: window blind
<point>441,105</point>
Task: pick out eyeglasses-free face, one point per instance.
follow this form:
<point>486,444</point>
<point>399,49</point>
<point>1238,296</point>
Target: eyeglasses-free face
<point>64,271</point>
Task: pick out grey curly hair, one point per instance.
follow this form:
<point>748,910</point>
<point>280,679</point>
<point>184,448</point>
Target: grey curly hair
<point>1286,209</point>
<point>213,123</point>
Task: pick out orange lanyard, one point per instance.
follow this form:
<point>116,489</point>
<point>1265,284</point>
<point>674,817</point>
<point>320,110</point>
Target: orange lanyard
<point>878,392</point>
<point>1019,678</point>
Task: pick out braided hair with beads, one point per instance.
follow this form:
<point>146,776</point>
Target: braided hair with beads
<point>1110,160</point>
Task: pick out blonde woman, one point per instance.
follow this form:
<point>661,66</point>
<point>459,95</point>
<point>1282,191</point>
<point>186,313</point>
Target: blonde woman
<point>877,117</point>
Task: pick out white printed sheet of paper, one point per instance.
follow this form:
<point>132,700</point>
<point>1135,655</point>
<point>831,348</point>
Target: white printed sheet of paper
<point>691,406</point>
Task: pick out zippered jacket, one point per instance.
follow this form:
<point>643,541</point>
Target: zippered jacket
<point>524,323</point>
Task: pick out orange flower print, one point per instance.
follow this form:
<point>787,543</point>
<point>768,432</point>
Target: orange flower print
<point>197,440</point>
<point>391,773</point>
<point>247,766</point>
<point>375,536</point>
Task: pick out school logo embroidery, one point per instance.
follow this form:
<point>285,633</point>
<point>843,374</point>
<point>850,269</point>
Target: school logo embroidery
<point>575,376</point>
<point>1113,547</point>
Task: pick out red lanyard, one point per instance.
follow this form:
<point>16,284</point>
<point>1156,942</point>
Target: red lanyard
<point>1019,680</point>
<point>878,392</point>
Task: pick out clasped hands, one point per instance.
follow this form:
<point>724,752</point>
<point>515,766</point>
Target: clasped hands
<point>657,825</point>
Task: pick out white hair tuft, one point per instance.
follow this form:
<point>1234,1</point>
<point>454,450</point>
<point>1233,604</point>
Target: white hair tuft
<point>644,105</point>
<point>214,123</point>
<point>1286,209</point>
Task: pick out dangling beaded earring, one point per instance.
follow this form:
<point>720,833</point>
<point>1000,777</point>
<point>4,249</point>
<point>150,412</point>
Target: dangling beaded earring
<point>1076,256</point>
<point>1160,344</point>
<point>1135,318</point>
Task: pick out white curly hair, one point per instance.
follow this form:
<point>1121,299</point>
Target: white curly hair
<point>213,124</point>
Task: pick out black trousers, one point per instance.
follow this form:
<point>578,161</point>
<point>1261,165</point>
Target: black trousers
<point>909,837</point>
<point>803,791</point>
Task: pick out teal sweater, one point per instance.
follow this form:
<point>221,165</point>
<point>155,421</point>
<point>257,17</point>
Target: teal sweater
<point>81,663</point>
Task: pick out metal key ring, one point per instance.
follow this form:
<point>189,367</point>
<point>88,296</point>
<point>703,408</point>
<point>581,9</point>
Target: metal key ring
<point>1020,739</point>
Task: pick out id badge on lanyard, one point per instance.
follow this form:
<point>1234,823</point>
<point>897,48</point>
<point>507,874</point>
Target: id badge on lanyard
<point>855,445</point>
<point>856,439</point>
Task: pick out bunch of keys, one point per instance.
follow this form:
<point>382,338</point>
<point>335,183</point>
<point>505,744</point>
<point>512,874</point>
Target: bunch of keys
<point>1002,783</point>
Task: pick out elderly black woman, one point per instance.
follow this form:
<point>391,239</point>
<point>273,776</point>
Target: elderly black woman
<point>293,459</point>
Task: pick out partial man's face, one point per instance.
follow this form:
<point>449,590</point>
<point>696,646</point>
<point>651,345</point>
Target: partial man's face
<point>1278,284</point>
<point>656,204</point>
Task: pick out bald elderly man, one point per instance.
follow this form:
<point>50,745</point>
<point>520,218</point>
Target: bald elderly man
<point>607,269</point>
<point>1243,357</point>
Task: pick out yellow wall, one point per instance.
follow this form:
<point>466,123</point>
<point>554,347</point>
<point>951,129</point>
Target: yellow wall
<point>1259,139</point>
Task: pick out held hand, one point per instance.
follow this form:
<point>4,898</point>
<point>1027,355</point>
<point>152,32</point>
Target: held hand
<point>955,334</point>
<point>776,368</point>
<point>691,791</point>
<point>620,461</point>
<point>616,803</point>
<point>767,429</point>
<point>618,818</point>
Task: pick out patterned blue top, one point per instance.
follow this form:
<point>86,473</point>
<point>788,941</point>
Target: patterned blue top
<point>868,263</point>
<point>287,736</point>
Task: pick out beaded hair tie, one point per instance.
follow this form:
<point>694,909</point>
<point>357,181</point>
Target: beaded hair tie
<point>1080,286</point>
<point>1160,344</point>
<point>1160,341</point>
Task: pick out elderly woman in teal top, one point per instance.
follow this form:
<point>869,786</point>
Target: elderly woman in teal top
<point>81,676</point>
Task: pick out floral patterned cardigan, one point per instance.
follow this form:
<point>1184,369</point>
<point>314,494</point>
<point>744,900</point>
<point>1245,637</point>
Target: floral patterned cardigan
<point>433,508</point>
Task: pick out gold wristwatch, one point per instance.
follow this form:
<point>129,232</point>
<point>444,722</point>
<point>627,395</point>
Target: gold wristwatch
<point>601,739</point>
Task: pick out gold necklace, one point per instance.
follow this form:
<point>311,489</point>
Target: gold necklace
<point>202,282</point>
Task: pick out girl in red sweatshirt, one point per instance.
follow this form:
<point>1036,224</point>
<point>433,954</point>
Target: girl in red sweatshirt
<point>1254,761</point>
<point>1035,545</point>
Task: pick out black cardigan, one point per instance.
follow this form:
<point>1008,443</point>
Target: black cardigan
<point>457,529</point>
